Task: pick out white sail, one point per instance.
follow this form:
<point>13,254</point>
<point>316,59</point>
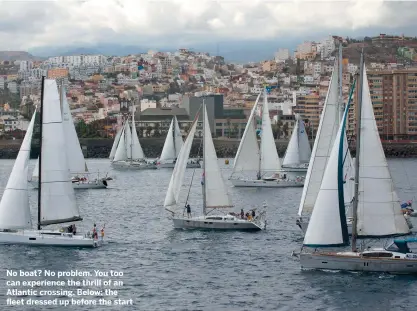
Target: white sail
<point>76,162</point>
<point>292,154</point>
<point>177,137</point>
<point>168,151</point>
<point>128,137</point>
<point>216,191</point>
<point>121,151</point>
<point>304,149</point>
<point>177,177</point>
<point>115,143</point>
<point>173,142</point>
<point>14,205</point>
<point>35,173</point>
<point>269,155</point>
<point>326,133</point>
<point>325,227</point>
<point>57,194</point>
<point>379,211</point>
<point>247,155</point>
<point>137,152</point>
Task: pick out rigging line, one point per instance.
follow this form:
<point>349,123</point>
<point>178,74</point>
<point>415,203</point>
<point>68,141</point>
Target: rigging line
<point>192,177</point>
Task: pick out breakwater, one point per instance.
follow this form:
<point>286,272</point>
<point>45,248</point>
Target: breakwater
<point>152,147</point>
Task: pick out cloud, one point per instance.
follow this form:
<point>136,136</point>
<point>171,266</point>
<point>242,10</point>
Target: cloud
<point>159,23</point>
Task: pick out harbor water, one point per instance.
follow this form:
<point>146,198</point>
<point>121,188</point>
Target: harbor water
<point>166,269</point>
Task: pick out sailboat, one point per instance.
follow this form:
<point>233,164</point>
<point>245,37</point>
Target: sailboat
<point>172,147</point>
<point>76,162</point>
<point>261,160</point>
<point>56,198</point>
<point>376,207</point>
<point>325,136</point>
<point>129,153</point>
<point>298,153</point>
<point>215,195</point>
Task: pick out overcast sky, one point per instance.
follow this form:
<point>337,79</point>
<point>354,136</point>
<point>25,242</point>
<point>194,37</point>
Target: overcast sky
<point>28,24</point>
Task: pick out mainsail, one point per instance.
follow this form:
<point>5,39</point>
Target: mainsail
<point>173,142</point>
<point>325,137</point>
<point>216,194</point>
<point>270,161</point>
<point>247,156</point>
<point>76,162</point>
<point>298,151</point>
<point>57,194</point>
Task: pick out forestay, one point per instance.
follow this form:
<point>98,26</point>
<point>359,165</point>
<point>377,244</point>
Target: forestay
<point>177,177</point>
<point>247,155</point>
<point>325,136</point>
<point>57,194</point>
<point>270,161</point>
<point>379,211</point>
<point>216,191</point>
<point>76,162</point>
<point>14,205</point>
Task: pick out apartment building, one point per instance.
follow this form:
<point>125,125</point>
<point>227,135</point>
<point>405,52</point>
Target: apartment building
<point>394,99</point>
<point>308,106</point>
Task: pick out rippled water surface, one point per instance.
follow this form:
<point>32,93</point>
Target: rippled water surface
<point>166,269</point>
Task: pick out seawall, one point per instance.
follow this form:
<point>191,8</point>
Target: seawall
<point>152,147</point>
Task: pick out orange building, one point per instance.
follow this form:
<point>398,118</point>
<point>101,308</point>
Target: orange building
<point>57,73</point>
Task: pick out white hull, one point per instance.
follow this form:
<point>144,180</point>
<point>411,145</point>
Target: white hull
<point>102,184</point>
<point>294,172</point>
<point>47,238</point>
<point>279,183</point>
<point>225,224</point>
<point>172,165</point>
<point>134,165</point>
<point>348,261</point>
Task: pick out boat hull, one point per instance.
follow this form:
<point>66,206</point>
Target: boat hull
<point>172,165</point>
<point>47,238</point>
<point>351,262</point>
<point>201,223</point>
<point>266,183</point>
<point>134,165</point>
<point>294,172</point>
<point>102,184</point>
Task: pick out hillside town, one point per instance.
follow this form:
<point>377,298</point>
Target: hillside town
<point>103,89</point>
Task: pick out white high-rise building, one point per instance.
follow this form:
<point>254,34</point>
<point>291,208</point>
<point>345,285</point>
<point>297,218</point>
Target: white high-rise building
<point>26,65</point>
<point>282,55</point>
<point>327,47</point>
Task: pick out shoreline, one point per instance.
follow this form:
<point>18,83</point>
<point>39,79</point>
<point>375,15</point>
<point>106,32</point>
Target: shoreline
<point>152,147</point>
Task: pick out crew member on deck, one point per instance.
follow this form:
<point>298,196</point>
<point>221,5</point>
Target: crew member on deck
<point>188,210</point>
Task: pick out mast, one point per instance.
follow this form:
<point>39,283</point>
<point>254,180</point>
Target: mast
<point>173,134</point>
<point>341,106</point>
<point>40,153</point>
<point>260,149</point>
<point>358,145</point>
<point>204,158</point>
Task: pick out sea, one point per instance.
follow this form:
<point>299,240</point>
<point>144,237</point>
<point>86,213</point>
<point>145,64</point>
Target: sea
<point>149,266</point>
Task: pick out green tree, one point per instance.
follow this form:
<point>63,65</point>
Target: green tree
<point>148,130</point>
<point>157,130</point>
<point>285,129</point>
<point>277,129</point>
